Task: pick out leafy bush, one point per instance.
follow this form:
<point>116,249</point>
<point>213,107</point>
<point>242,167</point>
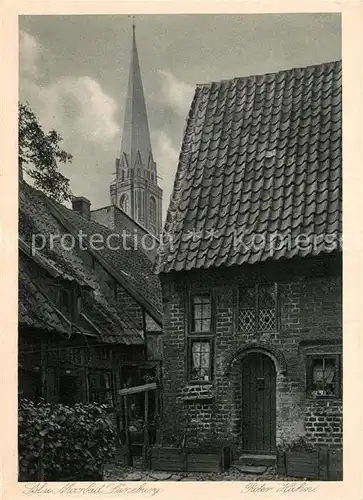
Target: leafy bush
<point>70,443</point>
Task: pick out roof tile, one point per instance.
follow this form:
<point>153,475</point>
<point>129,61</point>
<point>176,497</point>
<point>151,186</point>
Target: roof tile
<point>261,155</point>
<point>36,217</point>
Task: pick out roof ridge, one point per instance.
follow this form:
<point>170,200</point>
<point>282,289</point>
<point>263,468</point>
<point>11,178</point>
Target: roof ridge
<point>74,213</point>
<point>271,73</point>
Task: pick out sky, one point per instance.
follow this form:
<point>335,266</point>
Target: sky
<point>73,71</point>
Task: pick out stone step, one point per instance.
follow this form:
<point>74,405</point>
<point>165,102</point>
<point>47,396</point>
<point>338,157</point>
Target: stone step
<point>250,469</point>
<point>255,459</point>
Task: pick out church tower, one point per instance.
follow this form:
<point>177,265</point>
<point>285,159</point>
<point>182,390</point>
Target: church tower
<point>135,189</point>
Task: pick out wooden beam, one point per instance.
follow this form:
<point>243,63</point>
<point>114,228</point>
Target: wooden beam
<point>129,460</point>
<point>138,388</point>
<point>43,369</point>
<point>146,430</point>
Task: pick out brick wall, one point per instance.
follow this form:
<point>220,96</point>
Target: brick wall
<point>119,222</point>
<point>104,216</point>
<point>324,422</point>
<point>310,313</point>
<point>129,306</point>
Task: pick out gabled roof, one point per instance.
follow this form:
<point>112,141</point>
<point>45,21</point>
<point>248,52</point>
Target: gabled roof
<point>115,208</point>
<point>99,317</point>
<point>261,156</point>
<point>39,215</point>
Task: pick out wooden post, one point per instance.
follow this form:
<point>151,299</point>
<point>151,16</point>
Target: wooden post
<point>127,435</point>
<point>43,368</point>
<point>157,422</point>
<point>41,461</point>
<point>86,392</point>
<point>146,429</point>
<point>323,465</point>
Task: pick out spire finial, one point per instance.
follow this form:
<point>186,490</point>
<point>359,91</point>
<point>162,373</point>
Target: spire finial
<point>133,24</point>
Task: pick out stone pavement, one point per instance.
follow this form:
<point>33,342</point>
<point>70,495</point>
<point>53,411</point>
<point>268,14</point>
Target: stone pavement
<point>116,472</point>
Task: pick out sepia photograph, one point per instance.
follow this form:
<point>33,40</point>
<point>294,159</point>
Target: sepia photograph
<point>180,248</point>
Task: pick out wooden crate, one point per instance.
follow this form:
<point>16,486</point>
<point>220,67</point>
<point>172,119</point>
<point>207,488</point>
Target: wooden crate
<point>189,460</point>
<point>302,464</point>
<point>167,459</point>
<point>204,462</point>
<point>335,465</point>
<point>323,465</point>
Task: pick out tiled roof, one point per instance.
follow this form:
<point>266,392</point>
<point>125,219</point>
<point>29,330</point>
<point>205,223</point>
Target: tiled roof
<point>261,156</point>
<point>37,310</point>
<point>130,261</point>
<point>37,217</point>
<point>34,309</point>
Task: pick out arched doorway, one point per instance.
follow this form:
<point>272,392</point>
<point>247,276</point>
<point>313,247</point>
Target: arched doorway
<point>258,403</point>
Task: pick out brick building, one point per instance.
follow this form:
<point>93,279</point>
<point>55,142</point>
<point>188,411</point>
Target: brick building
<point>250,265</point>
<point>89,314</point>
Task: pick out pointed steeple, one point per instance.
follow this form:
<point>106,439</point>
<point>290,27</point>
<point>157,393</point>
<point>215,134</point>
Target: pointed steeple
<point>135,189</point>
<point>135,135</point>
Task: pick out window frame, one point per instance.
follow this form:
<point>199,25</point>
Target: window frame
<point>191,315</point>
<point>152,213</point>
<point>64,301</point>
<point>338,386</point>
<point>257,287</point>
<point>196,339</point>
<point>101,391</point>
<point>124,203</point>
<point>200,336</point>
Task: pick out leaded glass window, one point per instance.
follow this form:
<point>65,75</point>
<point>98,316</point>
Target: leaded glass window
<point>257,310</point>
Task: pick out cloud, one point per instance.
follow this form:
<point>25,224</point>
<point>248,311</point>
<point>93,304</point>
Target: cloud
<point>29,52</point>
<point>176,93</point>
<point>166,156</point>
<point>77,107</point>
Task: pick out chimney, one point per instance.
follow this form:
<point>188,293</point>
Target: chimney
<point>82,205</point>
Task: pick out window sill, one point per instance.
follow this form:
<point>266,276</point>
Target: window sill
<point>258,332</point>
<point>314,397</point>
<point>195,398</point>
<point>204,383</point>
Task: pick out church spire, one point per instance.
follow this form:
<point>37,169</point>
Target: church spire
<point>135,190</point>
<point>135,142</point>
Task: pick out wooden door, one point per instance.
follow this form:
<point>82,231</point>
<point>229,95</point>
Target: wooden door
<point>258,404</point>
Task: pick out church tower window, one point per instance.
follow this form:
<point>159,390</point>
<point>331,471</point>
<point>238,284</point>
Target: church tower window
<point>124,203</point>
<point>152,214</point>
<point>139,213</point>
